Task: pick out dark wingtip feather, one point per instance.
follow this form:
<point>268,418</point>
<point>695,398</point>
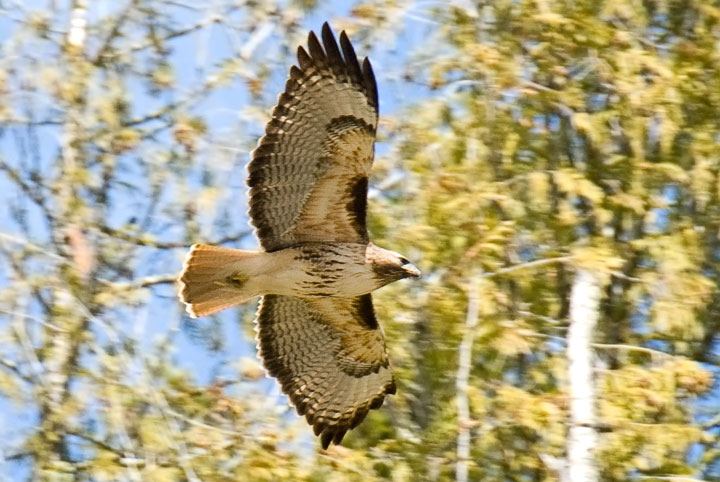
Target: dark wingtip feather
<point>303,58</point>
<point>326,439</point>
<point>359,417</point>
<point>350,58</point>
<point>339,436</point>
<point>331,49</point>
<point>295,74</point>
<point>370,84</point>
<point>326,30</point>
<point>316,50</point>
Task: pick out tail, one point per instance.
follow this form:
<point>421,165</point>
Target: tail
<point>214,278</point>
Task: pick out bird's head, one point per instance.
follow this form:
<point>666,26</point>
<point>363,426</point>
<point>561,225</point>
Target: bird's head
<point>409,270</point>
<point>391,266</point>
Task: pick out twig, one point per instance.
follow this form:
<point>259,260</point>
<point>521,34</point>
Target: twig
<point>176,34</point>
<point>198,423</point>
<point>621,275</point>
<point>620,346</point>
<point>674,478</point>
<point>546,319</point>
<point>29,191</point>
<point>12,366</point>
<point>529,264</point>
<point>32,247</point>
<point>147,281</point>
<point>154,116</point>
<point>712,422</point>
<point>35,319</point>
<point>27,122</point>
<point>119,21</point>
<point>167,244</point>
<point>28,349</point>
<point>100,443</point>
<point>176,438</point>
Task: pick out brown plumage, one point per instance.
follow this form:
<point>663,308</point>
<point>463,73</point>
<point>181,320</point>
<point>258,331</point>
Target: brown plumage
<point>316,326</point>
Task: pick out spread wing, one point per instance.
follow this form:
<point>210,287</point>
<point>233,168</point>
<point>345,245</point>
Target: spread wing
<point>329,356</point>
<point>309,173</point>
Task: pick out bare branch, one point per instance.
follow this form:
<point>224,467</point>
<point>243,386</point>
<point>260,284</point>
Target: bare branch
<point>27,346</point>
<point>31,192</point>
<point>546,319</point>
<point>35,319</point>
<point>166,110</point>
<point>176,438</point>
<point>168,244</point>
<point>673,478</point>
<point>32,247</point>
<point>198,423</point>
<point>528,265</point>
<point>12,366</point>
<point>176,34</point>
<point>97,442</point>
<point>145,282</point>
<point>712,422</point>
<point>27,122</point>
<point>114,32</point>
<point>624,347</point>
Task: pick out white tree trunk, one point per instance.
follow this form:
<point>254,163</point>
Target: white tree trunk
<point>78,25</point>
<point>582,439</point>
<point>462,379</point>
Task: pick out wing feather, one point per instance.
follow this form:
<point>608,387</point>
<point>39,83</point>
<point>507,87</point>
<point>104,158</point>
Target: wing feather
<point>317,149</point>
<point>329,356</point>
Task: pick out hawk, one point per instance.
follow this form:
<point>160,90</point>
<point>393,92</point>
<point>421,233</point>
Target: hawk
<point>316,327</point>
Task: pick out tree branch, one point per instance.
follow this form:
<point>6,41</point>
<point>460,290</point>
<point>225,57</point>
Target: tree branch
<point>32,247</point>
<point>169,244</point>
<point>97,442</point>
<point>114,32</point>
<point>32,193</point>
<point>528,265</point>
<point>12,366</point>
<point>144,282</point>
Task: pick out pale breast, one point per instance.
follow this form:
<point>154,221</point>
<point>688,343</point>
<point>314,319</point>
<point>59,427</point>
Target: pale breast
<point>325,269</point>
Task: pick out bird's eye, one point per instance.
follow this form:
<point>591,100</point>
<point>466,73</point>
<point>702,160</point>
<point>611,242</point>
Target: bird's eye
<point>404,261</point>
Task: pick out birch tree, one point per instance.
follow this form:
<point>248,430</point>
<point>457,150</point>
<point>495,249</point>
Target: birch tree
<point>582,440</point>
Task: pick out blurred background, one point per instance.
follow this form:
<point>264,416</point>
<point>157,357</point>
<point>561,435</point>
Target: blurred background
<point>522,143</point>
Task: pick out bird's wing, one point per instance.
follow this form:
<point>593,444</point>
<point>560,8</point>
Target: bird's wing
<point>309,173</point>
<point>329,356</point>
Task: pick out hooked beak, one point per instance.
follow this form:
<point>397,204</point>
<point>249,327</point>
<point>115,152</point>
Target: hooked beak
<point>412,271</point>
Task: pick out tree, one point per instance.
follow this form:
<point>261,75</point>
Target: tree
<point>564,136</point>
<point>95,227</point>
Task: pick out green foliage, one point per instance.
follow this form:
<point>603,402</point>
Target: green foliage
<point>530,138</point>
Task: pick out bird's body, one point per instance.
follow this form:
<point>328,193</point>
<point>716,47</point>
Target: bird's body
<point>317,331</point>
<point>306,270</point>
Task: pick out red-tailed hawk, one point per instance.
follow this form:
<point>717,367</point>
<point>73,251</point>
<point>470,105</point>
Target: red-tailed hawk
<point>316,326</point>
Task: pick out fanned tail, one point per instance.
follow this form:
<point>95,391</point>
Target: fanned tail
<point>215,278</point>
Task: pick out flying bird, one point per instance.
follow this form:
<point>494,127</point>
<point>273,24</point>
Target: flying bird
<point>316,327</point>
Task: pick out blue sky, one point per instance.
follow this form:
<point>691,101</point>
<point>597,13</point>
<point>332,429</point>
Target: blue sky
<point>193,57</point>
